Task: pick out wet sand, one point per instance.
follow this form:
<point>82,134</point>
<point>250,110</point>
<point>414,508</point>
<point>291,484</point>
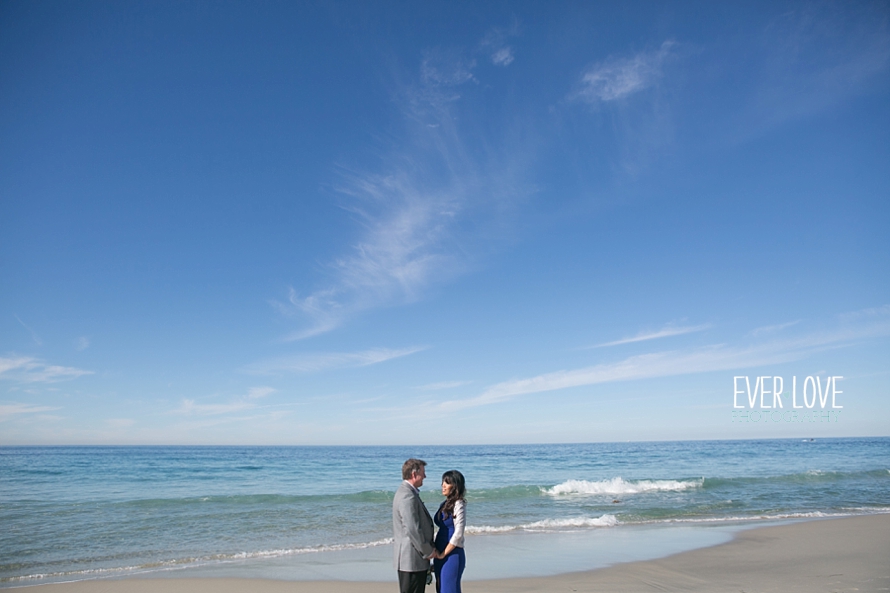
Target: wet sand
<point>831,555</point>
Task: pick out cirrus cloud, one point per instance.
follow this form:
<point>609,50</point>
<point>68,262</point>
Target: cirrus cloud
<point>25,369</point>
<point>315,362</point>
<point>718,357</point>
<point>8,411</point>
<point>617,78</point>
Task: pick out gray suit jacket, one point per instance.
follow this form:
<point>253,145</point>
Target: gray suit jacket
<point>412,531</point>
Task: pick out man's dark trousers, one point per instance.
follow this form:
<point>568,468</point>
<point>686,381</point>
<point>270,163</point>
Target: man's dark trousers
<point>412,582</point>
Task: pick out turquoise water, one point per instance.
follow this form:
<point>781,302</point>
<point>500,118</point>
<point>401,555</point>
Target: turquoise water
<point>70,513</point>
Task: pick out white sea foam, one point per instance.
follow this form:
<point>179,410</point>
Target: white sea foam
<point>480,529</point>
<point>548,525</point>
<point>770,517</point>
<point>307,550</point>
<point>197,561</point>
<point>869,510</point>
<point>622,486</point>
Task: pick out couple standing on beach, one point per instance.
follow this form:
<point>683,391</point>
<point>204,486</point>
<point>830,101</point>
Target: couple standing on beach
<point>412,527</point>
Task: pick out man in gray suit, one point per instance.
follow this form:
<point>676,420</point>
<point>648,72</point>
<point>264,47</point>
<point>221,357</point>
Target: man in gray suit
<point>412,530</point>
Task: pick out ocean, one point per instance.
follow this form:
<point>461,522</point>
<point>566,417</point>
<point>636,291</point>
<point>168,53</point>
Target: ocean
<point>74,513</point>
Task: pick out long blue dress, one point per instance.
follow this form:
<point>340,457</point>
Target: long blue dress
<point>449,570</point>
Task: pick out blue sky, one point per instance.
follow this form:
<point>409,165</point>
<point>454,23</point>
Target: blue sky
<point>392,223</point>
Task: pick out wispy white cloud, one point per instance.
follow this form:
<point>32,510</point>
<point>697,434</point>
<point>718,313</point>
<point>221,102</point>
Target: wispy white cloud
<point>420,215</point>
<point>33,333</point>
<point>25,369</point>
<point>502,57</point>
<point>8,364</point>
<point>408,220</point>
<point>7,411</point>
<point>440,68</point>
<point>321,307</point>
<point>258,392</point>
<point>443,385</point>
<point>120,422</point>
<point>645,366</point>
<point>83,343</point>
<point>189,407</point>
<point>403,249</point>
<point>494,44</point>
<point>617,78</point>
<point>812,58</point>
<point>665,332</point>
<point>312,363</point>
<point>676,362</point>
<point>771,329</point>
<point>201,420</point>
<point>865,314</point>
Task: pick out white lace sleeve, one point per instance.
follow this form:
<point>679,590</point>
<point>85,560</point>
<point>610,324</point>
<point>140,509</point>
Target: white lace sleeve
<point>460,523</point>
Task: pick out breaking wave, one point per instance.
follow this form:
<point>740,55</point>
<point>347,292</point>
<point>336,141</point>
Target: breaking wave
<point>548,525</point>
<point>621,486</point>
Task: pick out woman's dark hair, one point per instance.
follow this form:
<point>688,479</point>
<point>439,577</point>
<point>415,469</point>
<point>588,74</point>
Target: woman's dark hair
<point>458,490</point>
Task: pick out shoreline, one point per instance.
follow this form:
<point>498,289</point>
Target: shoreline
<point>835,554</point>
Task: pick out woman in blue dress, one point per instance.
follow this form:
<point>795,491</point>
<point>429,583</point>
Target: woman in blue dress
<point>451,518</point>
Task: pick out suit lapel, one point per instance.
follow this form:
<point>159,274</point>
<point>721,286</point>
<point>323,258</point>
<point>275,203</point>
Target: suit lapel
<point>423,506</point>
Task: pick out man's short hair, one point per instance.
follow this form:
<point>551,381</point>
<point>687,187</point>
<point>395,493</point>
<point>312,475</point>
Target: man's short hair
<point>411,466</point>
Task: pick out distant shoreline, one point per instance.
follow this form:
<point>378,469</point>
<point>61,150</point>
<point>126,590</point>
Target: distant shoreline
<point>806,556</point>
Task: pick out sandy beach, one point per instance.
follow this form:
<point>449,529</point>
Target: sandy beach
<point>832,555</point>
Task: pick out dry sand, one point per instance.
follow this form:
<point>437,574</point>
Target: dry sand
<point>848,554</point>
